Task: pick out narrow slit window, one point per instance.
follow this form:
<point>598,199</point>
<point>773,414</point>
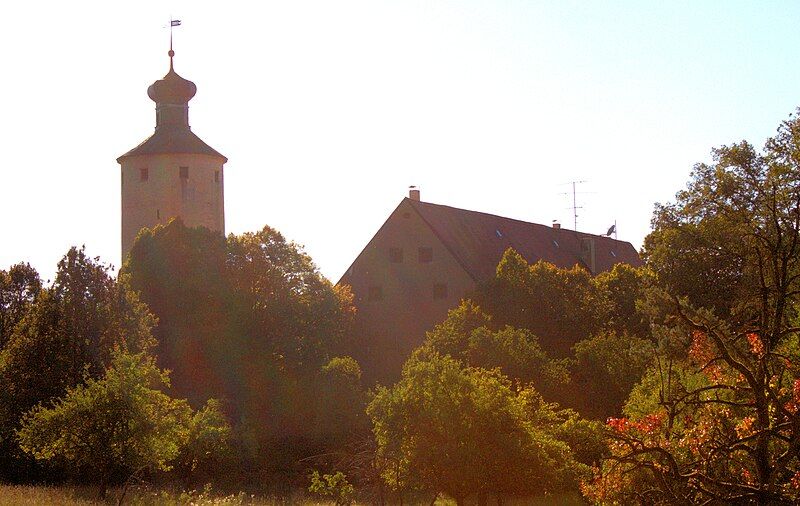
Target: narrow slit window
<point>425,255</point>
<point>375,293</point>
<point>216,176</point>
<point>144,174</point>
<point>439,291</point>
<point>184,172</point>
<point>396,255</point>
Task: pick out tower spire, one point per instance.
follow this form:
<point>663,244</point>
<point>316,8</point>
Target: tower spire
<point>171,53</point>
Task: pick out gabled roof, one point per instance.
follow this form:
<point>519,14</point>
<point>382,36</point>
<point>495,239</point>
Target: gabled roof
<point>172,141</point>
<point>478,241</point>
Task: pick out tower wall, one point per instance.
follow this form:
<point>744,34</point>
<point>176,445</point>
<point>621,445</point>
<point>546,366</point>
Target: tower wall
<point>162,194</point>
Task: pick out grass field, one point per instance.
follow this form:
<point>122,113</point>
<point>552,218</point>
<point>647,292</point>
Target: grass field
<point>75,496</point>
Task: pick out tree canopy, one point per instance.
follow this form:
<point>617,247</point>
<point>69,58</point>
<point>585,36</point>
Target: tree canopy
<point>716,419</point>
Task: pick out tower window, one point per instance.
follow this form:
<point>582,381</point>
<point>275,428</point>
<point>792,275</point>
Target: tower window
<point>216,176</point>
<point>425,255</point>
<point>158,214</point>
<point>439,291</point>
<point>184,172</point>
<point>144,174</point>
<point>375,293</point>
<point>396,255</point>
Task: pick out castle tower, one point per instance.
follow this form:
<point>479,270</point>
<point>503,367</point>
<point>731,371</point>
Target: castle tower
<point>172,173</point>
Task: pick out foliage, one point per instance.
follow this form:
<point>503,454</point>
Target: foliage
<point>560,306</point>
<point>19,287</point>
<point>606,368</point>
<point>66,334</point>
<point>111,426</point>
<point>334,486</point>
<point>465,432</point>
<point>725,428</point>
<point>622,291</point>
<point>250,320</point>
<point>207,444</point>
<point>466,335</point>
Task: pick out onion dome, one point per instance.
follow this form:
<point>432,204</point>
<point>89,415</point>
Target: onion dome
<point>173,134</point>
<point>172,89</point>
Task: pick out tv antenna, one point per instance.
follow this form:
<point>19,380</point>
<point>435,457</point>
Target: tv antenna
<point>575,205</point>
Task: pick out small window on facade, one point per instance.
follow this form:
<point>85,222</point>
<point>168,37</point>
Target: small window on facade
<point>396,255</point>
<point>425,255</point>
<point>216,176</point>
<point>613,254</point>
<point>375,293</point>
<point>439,291</point>
<point>555,243</point>
<point>499,234</point>
<point>184,172</point>
<point>158,214</point>
<point>144,174</point>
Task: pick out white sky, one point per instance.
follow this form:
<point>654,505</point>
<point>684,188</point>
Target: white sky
<point>328,111</point>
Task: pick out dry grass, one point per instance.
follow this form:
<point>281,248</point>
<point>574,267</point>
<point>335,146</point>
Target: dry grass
<point>25,495</point>
<point>77,496</point>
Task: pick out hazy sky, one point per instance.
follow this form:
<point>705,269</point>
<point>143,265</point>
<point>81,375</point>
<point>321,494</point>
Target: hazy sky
<point>329,110</point>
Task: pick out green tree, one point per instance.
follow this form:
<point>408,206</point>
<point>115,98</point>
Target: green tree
<point>113,426</point>
<point>465,432</point>
<point>68,333</point>
<point>622,291</point>
<point>250,320</point>
<point>19,287</point>
<point>560,306</point>
<point>726,427</point>
<point>605,370</point>
<point>466,335</point>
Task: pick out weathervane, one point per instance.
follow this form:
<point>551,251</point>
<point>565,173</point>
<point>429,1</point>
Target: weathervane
<point>172,23</point>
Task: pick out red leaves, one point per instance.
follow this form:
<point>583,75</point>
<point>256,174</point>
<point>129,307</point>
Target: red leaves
<point>756,345</point>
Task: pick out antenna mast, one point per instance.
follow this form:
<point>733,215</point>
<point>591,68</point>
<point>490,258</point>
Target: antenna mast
<point>575,205</point>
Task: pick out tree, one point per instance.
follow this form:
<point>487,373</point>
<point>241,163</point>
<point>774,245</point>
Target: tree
<point>622,290</point>
<point>250,320</point>
<point>19,287</point>
<point>466,335</point>
<point>466,432</point>
<point>114,426</point>
<point>560,306</point>
<point>605,370</point>
<point>726,427</point>
<point>68,333</point>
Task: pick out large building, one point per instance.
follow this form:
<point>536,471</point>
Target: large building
<point>173,173</point>
<point>426,257</point>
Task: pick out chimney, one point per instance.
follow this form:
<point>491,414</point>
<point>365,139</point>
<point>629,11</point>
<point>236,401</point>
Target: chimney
<point>556,225</point>
<point>413,193</point>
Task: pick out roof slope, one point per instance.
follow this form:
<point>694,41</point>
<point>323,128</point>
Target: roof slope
<point>478,241</point>
<point>172,141</point>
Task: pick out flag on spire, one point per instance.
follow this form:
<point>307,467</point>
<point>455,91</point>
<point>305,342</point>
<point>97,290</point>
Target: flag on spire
<point>175,22</point>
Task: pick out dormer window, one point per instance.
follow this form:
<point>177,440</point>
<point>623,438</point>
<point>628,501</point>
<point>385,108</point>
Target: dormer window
<point>498,233</point>
<point>555,243</point>
<point>613,254</point>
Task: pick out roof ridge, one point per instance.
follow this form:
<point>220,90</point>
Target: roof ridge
<point>546,227</point>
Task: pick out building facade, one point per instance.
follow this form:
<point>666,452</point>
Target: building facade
<point>427,257</point>
<point>173,173</point>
